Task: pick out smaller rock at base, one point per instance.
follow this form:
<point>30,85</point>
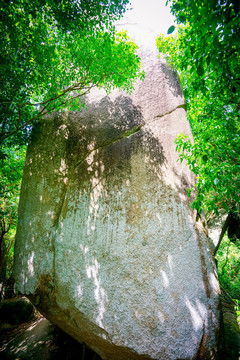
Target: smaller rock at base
<point>16,311</point>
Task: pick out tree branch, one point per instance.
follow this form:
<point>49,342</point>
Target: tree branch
<point>224,229</point>
<point>228,295</point>
<point>6,254</point>
<point>77,86</point>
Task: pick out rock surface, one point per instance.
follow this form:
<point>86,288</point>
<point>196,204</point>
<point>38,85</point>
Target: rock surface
<point>16,311</point>
<point>231,334</point>
<point>29,343</point>
<point>107,247</point>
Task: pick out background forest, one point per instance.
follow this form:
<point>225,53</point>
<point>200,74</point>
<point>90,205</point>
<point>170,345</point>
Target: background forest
<point>62,49</point>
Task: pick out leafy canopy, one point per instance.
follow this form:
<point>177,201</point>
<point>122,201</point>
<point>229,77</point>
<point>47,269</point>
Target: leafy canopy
<point>205,52</point>
<point>55,52</point>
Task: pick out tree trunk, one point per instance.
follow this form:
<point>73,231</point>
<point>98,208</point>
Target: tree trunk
<point>224,229</point>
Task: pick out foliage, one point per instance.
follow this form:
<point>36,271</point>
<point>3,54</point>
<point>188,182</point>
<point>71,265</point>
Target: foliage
<point>228,260</point>
<point>53,53</point>
<point>10,179</point>
<point>205,52</point>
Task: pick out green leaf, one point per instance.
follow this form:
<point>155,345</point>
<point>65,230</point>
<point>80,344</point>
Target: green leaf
<point>182,18</point>
<point>205,158</point>
<point>225,206</point>
<point>208,60</point>
<point>200,70</point>
<point>176,7</point>
<point>192,50</point>
<point>171,29</point>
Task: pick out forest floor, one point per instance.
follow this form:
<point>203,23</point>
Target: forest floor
<point>31,341</point>
<point>38,339</point>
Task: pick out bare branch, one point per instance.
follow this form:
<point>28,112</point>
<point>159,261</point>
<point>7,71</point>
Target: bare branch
<point>3,226</point>
<point>228,296</point>
<point>19,116</point>
<point>9,225</point>
<point>79,86</point>
<point>224,229</point>
<point>6,254</point>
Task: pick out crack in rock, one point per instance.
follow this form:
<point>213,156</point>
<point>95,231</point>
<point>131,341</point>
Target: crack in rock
<point>120,137</point>
<point>183,106</point>
<point>126,134</point>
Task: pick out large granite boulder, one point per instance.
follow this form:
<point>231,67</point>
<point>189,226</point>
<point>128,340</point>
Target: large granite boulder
<point>107,245</point>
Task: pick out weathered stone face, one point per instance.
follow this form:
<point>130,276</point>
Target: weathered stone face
<point>107,246</point>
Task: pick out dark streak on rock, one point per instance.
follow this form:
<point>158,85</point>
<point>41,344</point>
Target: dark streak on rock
<point>203,264</point>
<point>200,354</point>
<point>122,136</point>
<point>183,106</point>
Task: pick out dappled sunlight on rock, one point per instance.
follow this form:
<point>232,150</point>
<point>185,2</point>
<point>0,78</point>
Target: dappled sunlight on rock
<point>30,264</point>
<point>161,316</point>
<point>164,278</point>
<point>214,283</point>
<point>99,293</point>
<point>170,264</point>
<point>197,320</point>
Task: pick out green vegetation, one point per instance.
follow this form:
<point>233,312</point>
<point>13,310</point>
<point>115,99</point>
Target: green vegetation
<point>204,50</point>
<point>52,53</point>
<point>228,261</point>
<point>10,179</point>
